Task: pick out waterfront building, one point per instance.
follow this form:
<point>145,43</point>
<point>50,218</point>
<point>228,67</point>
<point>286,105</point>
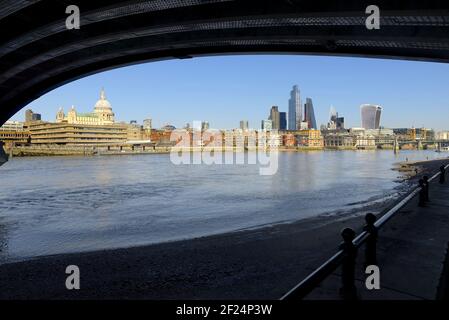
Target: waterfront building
<point>310,138</point>
<point>274,140</point>
<point>385,140</point>
<point>339,140</point>
<point>282,121</point>
<point>97,127</point>
<point>162,137</point>
<point>370,116</point>
<point>13,132</point>
<point>303,125</point>
<point>357,131</point>
<point>289,140</point>
<point>365,141</point>
<point>294,109</point>
<point>425,134</point>
<point>412,134</point>
<point>64,133</point>
<point>244,125</point>
<point>309,114</point>
<point>380,132</point>
<point>101,115</point>
<point>12,126</point>
<point>267,125</point>
<point>134,132</point>
<point>442,135</point>
<point>371,138</point>
<point>405,133</point>
<point>275,117</point>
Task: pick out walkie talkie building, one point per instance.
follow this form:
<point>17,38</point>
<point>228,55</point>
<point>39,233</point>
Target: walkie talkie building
<point>370,114</point>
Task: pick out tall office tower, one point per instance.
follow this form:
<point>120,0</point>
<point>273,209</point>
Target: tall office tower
<point>370,115</point>
<point>340,122</point>
<point>282,121</point>
<point>309,114</point>
<point>244,124</point>
<point>31,116</point>
<point>294,109</point>
<point>274,117</point>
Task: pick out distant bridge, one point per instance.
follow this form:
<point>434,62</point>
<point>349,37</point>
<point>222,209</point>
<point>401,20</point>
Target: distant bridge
<point>418,143</point>
<point>422,144</point>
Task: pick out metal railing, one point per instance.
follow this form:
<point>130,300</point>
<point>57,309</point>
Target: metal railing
<point>346,255</point>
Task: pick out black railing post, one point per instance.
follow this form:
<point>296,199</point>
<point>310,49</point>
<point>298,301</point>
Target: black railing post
<point>426,187</point>
<point>348,290</point>
<point>442,174</point>
<point>371,241</point>
<point>422,194</point>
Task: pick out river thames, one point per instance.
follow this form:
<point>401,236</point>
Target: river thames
<point>52,205</point>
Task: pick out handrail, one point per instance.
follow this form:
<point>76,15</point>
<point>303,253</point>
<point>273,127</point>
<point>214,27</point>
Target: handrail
<point>322,272</point>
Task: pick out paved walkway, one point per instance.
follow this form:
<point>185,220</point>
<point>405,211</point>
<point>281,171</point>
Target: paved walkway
<point>412,249</point>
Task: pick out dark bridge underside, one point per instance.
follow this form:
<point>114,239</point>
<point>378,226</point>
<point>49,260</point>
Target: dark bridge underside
<point>38,54</point>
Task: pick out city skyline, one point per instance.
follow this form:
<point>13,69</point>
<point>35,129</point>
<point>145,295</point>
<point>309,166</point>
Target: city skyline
<point>251,99</point>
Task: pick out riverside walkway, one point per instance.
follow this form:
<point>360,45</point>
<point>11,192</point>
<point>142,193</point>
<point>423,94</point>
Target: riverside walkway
<point>411,253</point>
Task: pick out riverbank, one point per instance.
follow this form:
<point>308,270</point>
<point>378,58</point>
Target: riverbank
<point>60,151</point>
<point>56,150</point>
<point>261,263</point>
<point>414,170</point>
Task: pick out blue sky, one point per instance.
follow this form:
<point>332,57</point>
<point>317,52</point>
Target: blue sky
<point>226,89</point>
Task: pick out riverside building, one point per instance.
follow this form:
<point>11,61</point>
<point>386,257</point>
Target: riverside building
<point>13,132</point>
<point>75,128</point>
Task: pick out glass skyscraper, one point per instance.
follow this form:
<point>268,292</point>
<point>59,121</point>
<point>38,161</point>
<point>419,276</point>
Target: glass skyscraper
<point>309,114</point>
<point>274,117</point>
<point>282,121</point>
<point>294,109</point>
<point>370,114</point>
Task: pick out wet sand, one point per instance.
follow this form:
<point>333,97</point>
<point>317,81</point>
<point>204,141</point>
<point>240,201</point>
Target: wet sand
<point>261,263</point>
